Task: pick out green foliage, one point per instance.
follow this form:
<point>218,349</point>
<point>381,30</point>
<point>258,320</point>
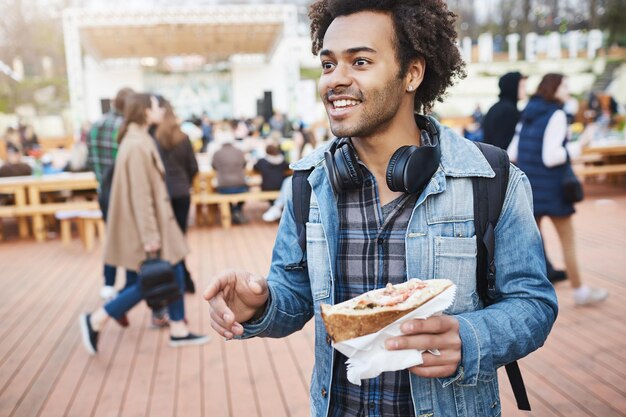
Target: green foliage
<point>310,73</point>
<point>4,104</point>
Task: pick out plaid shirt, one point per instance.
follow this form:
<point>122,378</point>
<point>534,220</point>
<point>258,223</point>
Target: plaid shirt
<point>371,253</point>
<point>102,143</point>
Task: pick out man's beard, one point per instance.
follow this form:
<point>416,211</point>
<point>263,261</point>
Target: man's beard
<point>380,107</point>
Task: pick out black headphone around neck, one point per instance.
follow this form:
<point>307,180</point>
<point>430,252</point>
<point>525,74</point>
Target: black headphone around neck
<point>409,169</point>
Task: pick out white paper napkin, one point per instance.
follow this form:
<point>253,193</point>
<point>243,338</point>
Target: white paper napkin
<point>367,355</point>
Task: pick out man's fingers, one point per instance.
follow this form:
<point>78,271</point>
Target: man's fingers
<point>433,371</point>
<point>218,318</point>
<point>222,331</point>
<point>232,327</point>
<point>212,290</point>
<point>218,284</point>
<point>419,342</point>
<point>439,324</point>
<point>221,309</point>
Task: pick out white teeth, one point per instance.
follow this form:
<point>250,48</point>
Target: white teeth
<point>344,103</point>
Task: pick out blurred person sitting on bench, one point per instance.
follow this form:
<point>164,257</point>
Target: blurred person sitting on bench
<point>229,163</point>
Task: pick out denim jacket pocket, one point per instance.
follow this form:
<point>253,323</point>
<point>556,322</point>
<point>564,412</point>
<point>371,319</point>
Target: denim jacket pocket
<point>482,399</point>
<point>317,261</point>
<point>455,259</point>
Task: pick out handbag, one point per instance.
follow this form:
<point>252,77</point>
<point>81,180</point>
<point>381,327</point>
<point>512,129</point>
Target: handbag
<point>571,186</point>
<point>157,283</point>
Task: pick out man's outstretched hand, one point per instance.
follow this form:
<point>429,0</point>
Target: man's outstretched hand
<point>235,297</point>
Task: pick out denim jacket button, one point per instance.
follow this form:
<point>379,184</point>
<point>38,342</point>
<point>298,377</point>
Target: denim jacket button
<point>328,340</point>
<point>324,392</point>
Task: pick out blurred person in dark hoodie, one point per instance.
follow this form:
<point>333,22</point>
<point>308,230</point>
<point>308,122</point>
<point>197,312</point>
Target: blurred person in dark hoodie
<point>500,121</point>
<point>499,127</point>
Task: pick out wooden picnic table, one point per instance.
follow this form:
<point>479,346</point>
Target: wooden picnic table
<point>606,148</point>
<point>51,183</point>
<point>16,186</point>
<point>607,157</point>
<point>33,186</point>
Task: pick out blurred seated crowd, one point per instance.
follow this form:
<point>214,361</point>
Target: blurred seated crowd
<point>22,153</point>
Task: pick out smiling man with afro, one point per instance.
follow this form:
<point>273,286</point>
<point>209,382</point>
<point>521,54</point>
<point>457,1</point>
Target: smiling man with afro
<point>389,199</point>
<point>423,28</point>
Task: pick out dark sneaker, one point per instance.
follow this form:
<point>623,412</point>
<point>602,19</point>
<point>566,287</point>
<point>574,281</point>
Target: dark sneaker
<point>190,339</point>
<point>190,287</point>
<point>123,321</point>
<point>239,218</point>
<point>90,336</point>
<point>159,318</point>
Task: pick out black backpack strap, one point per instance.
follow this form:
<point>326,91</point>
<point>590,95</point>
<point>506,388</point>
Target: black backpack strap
<point>517,384</point>
<point>489,196</point>
<point>301,197</point>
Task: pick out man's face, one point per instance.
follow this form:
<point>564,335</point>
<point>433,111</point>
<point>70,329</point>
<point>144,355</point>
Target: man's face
<point>360,86</point>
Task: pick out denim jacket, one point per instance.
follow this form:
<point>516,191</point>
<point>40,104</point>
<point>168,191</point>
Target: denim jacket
<point>440,243</point>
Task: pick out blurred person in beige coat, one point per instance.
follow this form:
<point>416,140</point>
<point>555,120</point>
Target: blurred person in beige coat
<point>141,222</point>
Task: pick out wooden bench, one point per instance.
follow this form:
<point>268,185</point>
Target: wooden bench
<point>87,221</point>
<point>593,170</point>
<point>223,201</point>
<point>53,209</point>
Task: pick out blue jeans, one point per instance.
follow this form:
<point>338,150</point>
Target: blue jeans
<point>130,296</point>
<point>109,276</point>
<point>237,207</point>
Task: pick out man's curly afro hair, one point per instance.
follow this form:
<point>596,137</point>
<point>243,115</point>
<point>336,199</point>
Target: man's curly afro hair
<point>424,28</point>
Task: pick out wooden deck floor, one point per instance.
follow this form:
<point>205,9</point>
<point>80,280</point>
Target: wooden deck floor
<point>44,370</point>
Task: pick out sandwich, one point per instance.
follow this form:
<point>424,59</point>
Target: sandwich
<point>376,309</point>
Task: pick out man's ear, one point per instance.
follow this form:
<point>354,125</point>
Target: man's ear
<point>415,74</point>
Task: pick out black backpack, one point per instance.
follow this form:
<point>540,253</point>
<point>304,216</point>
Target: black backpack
<point>489,196</point>
<point>157,283</point>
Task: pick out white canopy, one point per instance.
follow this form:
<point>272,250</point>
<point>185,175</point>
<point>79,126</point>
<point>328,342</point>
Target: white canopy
<point>213,32</point>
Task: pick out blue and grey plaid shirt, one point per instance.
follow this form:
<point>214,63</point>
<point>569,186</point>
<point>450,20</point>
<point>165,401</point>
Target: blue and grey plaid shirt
<point>371,253</point>
<point>102,143</point>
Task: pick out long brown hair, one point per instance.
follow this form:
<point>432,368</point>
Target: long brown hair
<point>135,107</point>
<point>548,86</point>
<point>168,132</point>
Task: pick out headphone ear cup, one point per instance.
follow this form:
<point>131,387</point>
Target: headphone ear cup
<point>396,168</point>
<point>350,174</point>
<point>341,163</point>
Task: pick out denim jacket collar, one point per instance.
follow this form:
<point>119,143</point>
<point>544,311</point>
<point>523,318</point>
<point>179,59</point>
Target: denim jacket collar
<point>459,157</point>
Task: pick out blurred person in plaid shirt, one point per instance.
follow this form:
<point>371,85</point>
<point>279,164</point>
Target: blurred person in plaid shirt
<point>102,146</point>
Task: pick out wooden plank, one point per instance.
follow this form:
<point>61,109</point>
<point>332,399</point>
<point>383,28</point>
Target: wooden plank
<point>91,382</point>
<point>216,393</point>
<point>216,198</point>
<point>238,380</point>
<point>288,378</point>
<point>139,389</point>
<point>115,385</point>
<point>270,398</point>
<point>37,375</point>
<point>25,352</point>
<point>15,278</point>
